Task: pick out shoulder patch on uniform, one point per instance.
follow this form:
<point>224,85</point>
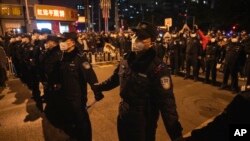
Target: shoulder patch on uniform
<point>86,65</point>
<point>165,82</point>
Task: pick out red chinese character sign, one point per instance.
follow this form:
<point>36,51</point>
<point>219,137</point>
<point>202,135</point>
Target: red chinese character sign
<point>105,6</point>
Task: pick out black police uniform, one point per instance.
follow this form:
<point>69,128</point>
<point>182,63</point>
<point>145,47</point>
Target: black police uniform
<point>237,112</point>
<point>13,53</point>
<point>52,86</point>
<point>174,54</point>
<point>212,54</point>
<point>146,89</point>
<point>75,72</point>
<point>30,59</point>
<point>231,66</point>
<point>193,52</point>
<point>246,46</point>
<point>182,43</point>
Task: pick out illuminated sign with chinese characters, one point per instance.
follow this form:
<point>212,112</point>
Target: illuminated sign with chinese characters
<point>47,12</point>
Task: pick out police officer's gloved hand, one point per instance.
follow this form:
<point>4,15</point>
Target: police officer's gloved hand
<point>95,87</point>
<point>99,96</point>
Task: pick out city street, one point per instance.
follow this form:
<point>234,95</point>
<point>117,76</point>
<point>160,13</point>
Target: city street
<point>197,104</point>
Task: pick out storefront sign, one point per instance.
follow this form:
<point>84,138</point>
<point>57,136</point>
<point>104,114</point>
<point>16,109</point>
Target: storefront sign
<point>168,22</point>
<point>12,25</point>
<point>47,12</point>
<point>10,10</point>
<point>81,19</point>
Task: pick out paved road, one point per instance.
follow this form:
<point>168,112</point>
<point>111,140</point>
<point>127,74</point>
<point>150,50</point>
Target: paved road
<point>197,103</point>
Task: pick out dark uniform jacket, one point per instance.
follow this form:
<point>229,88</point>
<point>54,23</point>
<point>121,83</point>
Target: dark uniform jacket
<point>145,78</point>
<point>237,112</point>
<point>232,57</point>
<point>212,51</point>
<point>75,72</point>
<point>194,48</point>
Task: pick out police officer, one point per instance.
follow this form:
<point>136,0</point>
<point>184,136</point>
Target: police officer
<point>182,43</point>
<point>212,54</point>
<point>30,60</point>
<point>246,45</point>
<point>75,72</point>
<point>193,55</point>
<point>236,113</point>
<point>174,53</point>
<point>145,88</point>
<point>231,66</point>
<point>50,63</point>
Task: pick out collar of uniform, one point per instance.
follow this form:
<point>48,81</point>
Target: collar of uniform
<point>140,62</point>
<point>70,55</point>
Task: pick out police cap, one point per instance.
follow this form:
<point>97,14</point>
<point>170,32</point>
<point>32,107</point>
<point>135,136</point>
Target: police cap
<point>36,31</point>
<point>52,38</point>
<point>145,30</point>
<point>70,35</point>
<point>45,31</point>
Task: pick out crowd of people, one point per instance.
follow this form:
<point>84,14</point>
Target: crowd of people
<point>228,53</point>
<point>59,64</point>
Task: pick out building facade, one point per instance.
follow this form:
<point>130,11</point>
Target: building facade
<point>15,18</point>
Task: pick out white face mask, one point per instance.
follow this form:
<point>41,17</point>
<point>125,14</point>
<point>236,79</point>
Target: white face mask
<point>23,40</point>
<point>12,40</point>
<point>174,35</point>
<point>33,37</point>
<point>234,40</point>
<point>63,46</point>
<point>212,40</point>
<point>42,37</point>
<point>46,46</point>
<point>192,35</point>
<point>18,39</point>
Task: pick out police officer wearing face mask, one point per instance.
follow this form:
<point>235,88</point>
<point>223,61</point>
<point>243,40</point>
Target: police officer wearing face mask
<point>245,42</point>
<point>13,53</point>
<point>193,55</point>
<point>231,66</point>
<point>212,54</point>
<point>75,72</point>
<point>50,65</point>
<point>30,71</point>
<point>145,88</point>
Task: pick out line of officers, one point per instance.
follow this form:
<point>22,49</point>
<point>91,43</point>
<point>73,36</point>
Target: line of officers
<point>191,48</point>
<point>58,63</point>
<point>146,87</point>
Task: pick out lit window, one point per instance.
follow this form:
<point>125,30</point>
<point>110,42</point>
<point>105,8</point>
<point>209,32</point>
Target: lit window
<point>205,2</point>
<point>197,1</point>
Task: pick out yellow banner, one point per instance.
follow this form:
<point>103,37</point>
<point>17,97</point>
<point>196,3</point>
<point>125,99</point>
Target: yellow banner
<point>48,12</point>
